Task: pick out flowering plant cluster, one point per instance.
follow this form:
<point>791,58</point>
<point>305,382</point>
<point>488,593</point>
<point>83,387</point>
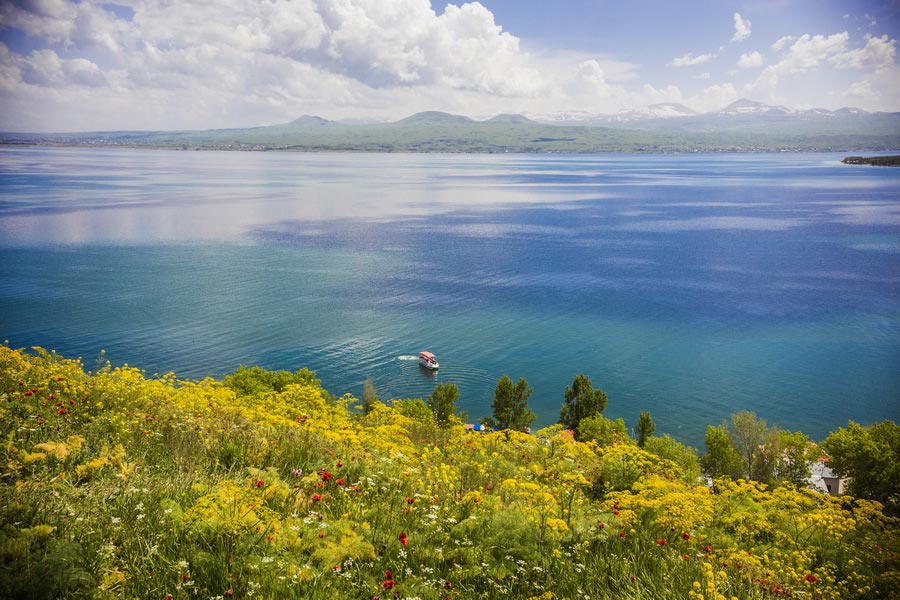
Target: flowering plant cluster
<point>114,484</point>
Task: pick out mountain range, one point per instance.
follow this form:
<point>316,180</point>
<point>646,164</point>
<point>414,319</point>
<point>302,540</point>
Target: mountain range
<point>743,125</point>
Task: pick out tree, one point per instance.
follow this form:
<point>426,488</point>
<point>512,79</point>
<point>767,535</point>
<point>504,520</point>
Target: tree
<point>582,401</point>
<point>370,397</point>
<point>645,428</point>
<point>684,456</point>
<point>793,454</point>
<point>721,459</point>
<point>605,432</point>
<point>749,435</point>
<point>442,402</point>
<point>870,456</point>
<point>511,405</point>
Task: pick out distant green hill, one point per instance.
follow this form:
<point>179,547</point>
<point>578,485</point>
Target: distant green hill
<point>435,131</point>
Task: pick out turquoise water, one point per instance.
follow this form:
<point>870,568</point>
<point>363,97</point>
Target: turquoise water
<point>689,286</point>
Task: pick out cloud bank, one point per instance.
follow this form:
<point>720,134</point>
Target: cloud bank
<point>159,64</point>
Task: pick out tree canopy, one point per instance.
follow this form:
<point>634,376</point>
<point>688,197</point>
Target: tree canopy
<point>721,459</point>
<point>581,401</point>
<point>442,402</point>
<point>645,428</point>
<point>511,405</point>
<point>870,456</point>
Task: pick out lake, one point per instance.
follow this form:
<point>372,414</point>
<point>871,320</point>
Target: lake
<point>692,286</point>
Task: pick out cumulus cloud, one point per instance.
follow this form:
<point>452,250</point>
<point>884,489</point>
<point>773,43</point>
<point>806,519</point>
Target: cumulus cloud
<point>859,90</point>
<point>749,60</point>
<point>714,97</point>
<point>806,53</point>
<point>878,52</point>
<point>223,63</point>
<point>779,45</point>
<point>815,52</point>
<point>689,60</point>
<point>741,28</point>
<point>328,52</point>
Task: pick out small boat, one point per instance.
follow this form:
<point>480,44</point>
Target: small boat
<point>428,360</point>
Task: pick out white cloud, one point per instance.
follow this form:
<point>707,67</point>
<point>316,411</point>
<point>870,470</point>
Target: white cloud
<point>714,97</point>
<point>859,90</point>
<point>689,60</point>
<point>232,63</point>
<point>781,43</point>
<point>878,52</point>
<point>326,53</point>
<point>741,28</point>
<point>750,60</point>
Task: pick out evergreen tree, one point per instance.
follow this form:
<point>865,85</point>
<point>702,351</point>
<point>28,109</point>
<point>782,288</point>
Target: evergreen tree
<point>442,402</point>
<point>511,405</point>
<point>645,428</point>
<point>582,401</point>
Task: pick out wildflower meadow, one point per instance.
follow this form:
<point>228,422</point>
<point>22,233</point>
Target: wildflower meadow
<point>116,484</point>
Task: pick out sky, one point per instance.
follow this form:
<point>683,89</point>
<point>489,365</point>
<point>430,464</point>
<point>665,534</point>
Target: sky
<point>189,64</point>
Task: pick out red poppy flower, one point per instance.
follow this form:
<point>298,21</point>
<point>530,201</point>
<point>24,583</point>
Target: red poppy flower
<point>601,525</point>
<point>27,393</point>
<point>387,584</point>
<point>62,411</point>
<point>317,497</point>
<point>707,548</point>
<point>228,593</point>
<point>811,578</point>
<point>685,557</point>
<point>326,476</point>
<point>321,534</point>
<point>662,542</point>
<point>388,575</point>
<point>340,481</point>
<point>621,534</point>
<point>410,500</point>
<point>685,536</point>
<point>260,483</point>
<point>402,538</point>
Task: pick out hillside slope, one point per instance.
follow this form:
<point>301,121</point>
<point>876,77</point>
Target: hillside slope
<point>119,485</point>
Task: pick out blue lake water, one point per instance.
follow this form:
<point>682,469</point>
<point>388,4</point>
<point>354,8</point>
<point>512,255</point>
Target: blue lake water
<point>689,286</point>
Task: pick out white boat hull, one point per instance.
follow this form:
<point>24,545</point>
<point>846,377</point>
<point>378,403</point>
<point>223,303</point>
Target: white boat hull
<point>434,366</point>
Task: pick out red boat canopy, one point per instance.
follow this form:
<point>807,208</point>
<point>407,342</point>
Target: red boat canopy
<point>427,355</point>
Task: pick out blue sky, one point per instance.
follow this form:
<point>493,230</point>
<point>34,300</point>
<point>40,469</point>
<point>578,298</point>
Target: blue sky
<point>153,64</point>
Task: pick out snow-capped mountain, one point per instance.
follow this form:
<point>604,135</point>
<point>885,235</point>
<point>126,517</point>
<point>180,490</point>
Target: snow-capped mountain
<point>743,114</point>
<point>751,107</point>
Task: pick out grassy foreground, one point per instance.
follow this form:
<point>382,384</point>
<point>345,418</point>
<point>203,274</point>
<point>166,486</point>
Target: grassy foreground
<point>118,485</point>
